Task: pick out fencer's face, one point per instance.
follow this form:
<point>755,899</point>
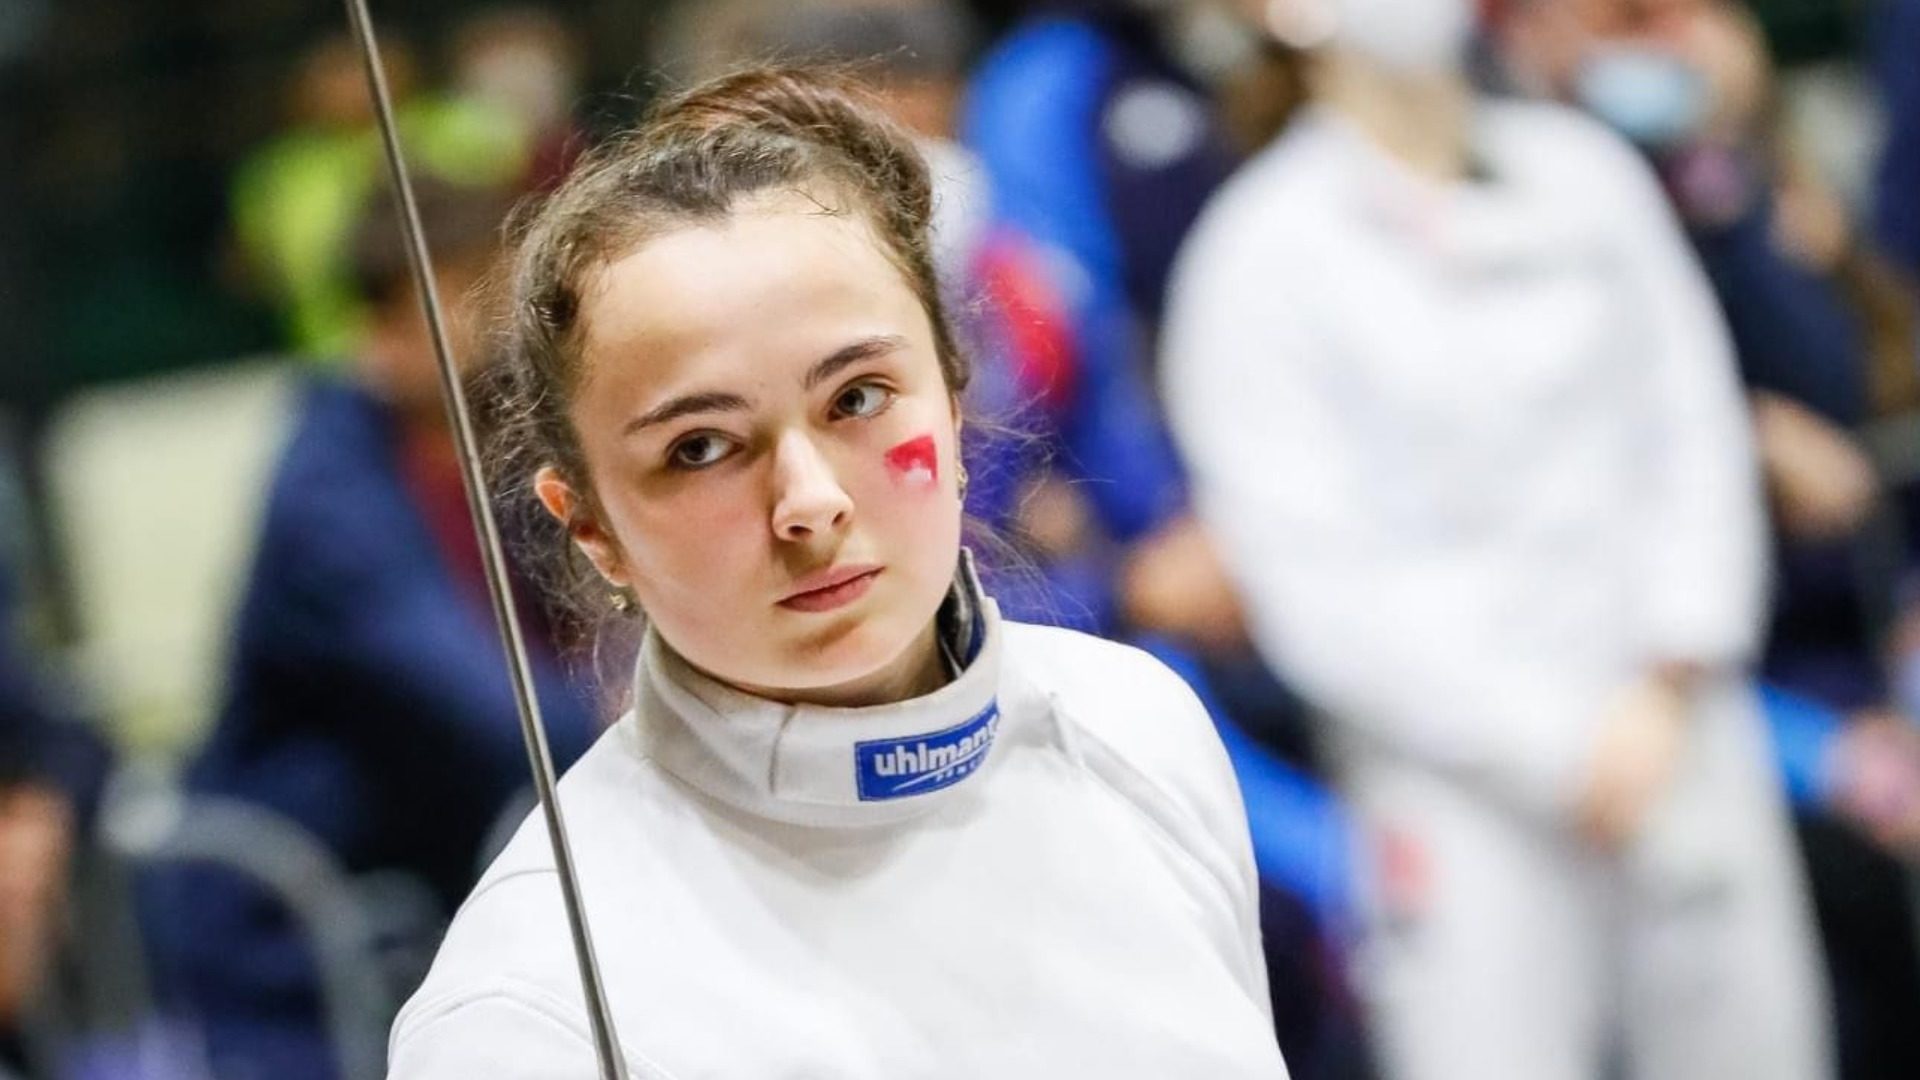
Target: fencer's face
<point>772,451</point>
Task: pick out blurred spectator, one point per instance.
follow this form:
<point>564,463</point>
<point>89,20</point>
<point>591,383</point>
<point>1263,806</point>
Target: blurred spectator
<point>1463,415</point>
<point>1689,81</point>
<point>36,815</point>
<point>296,198</point>
<point>525,62</point>
<point>1824,341</point>
<point>51,769</point>
<point>369,699</point>
<point>1866,770</point>
<point>1896,41</point>
<point>36,836</point>
<point>1858,776</point>
<point>1099,150</point>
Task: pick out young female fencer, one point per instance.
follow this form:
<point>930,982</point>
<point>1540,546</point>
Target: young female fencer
<point>1465,421</point>
<point>855,824</point>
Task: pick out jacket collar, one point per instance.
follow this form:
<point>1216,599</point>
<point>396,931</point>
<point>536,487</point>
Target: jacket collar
<point>816,765</point>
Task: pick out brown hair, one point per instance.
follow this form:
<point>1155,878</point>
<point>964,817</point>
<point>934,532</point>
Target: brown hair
<point>460,222</point>
<point>690,162</point>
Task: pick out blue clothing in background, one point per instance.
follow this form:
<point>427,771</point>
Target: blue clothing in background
<point>1795,335</point>
<point>1793,331</point>
<point>1804,735</point>
<point>38,742</point>
<point>1896,38</point>
<point>26,726</point>
<point>370,704</point>
<point>1099,156</point>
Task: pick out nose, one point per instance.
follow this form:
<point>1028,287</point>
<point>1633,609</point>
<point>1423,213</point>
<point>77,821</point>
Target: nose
<point>808,500</point>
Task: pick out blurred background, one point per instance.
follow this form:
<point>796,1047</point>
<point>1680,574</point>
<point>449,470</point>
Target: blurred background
<point>255,736</point>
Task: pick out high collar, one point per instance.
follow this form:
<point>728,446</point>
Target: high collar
<point>817,765</point>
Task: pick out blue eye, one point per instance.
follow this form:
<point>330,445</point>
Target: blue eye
<point>862,400</point>
<point>699,451</point>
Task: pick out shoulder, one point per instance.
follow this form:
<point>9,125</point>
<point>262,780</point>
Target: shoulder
<point>497,983</point>
<point>1557,144</point>
<point>513,925</point>
<point>1549,124</point>
<point>1275,203</point>
<point>604,796</point>
<point>511,929</point>
<point>1574,162</point>
<point>1120,694</point>
<point>1138,729</point>
<point>505,975</point>
<point>1269,189</point>
<point>500,1028</point>
<point>1141,716</point>
<point>1088,670</point>
<point>499,1009</point>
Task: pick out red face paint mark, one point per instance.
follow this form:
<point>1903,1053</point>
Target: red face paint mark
<point>915,461</point>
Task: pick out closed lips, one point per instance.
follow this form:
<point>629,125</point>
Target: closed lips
<point>816,585</point>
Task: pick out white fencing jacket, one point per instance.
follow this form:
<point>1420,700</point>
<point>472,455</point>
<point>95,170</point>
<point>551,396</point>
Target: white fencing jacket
<point>1474,452</point>
<point>1040,870</point>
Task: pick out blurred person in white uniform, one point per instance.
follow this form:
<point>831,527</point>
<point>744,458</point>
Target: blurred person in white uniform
<point>855,825</point>
<point>1464,419</point>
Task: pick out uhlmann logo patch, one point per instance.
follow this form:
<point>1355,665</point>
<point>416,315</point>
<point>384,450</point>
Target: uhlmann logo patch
<point>895,768</point>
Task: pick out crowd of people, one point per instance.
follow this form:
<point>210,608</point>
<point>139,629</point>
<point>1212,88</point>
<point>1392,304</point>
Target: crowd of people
<point>1470,401</point>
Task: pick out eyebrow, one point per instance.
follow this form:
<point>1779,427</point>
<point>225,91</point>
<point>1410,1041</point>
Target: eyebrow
<point>687,405</point>
<point>850,354</point>
<point>718,401</point>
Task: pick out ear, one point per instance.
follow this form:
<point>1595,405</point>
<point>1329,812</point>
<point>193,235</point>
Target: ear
<point>569,508</point>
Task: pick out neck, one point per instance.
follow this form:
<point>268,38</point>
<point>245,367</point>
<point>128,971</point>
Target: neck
<point>918,670</point>
<point>1418,118</point>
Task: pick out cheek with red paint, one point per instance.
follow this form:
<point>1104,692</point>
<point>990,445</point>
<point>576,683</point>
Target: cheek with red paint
<point>916,462</point>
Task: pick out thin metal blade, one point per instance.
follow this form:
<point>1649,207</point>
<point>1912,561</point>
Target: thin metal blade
<point>605,1043</point>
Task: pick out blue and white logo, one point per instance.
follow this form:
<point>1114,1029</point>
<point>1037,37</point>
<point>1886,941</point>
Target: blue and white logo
<point>896,768</point>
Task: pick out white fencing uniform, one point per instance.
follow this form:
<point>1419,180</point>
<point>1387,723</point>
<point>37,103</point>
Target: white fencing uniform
<point>1476,455</point>
<point>1040,870</point>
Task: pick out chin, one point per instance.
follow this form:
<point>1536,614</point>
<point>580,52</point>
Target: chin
<point>819,655</point>
<point>840,655</point>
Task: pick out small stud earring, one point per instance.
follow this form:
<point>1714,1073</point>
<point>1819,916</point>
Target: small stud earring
<point>622,603</point>
<point>962,472</point>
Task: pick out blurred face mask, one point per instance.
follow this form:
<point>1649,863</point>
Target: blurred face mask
<point>1651,96</point>
<point>1405,36</point>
